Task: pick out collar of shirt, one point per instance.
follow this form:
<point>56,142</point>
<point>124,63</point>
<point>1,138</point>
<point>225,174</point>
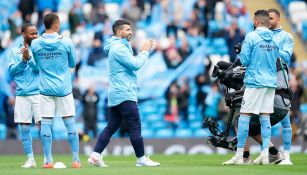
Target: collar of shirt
<point>50,35</point>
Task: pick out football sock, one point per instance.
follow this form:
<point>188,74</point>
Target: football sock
<point>265,131</point>
<point>46,136</point>
<point>286,133</point>
<point>73,137</point>
<point>243,128</point>
<point>26,140</point>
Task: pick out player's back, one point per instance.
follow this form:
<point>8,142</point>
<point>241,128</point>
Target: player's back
<point>259,55</point>
<point>54,55</point>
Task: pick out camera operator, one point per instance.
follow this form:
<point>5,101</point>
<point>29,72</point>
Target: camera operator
<point>259,55</point>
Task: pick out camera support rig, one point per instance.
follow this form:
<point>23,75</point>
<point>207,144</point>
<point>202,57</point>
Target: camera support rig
<point>231,77</point>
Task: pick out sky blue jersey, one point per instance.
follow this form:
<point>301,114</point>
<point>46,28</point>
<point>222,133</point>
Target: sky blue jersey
<point>122,67</point>
<point>25,74</point>
<point>259,54</point>
<point>285,42</point>
<point>54,55</point>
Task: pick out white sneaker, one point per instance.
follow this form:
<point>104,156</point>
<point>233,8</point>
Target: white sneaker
<point>276,159</point>
<point>235,160</point>
<point>248,160</point>
<point>261,160</point>
<point>257,160</point>
<point>145,161</point>
<point>264,160</point>
<point>286,162</point>
<point>96,162</point>
<point>29,164</point>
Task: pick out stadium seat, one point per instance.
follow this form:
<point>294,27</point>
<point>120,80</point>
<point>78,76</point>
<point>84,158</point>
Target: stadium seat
<point>296,6</point>
<point>195,124</point>
<point>164,133</point>
<point>154,118</point>
<point>183,124</point>
<point>158,125</point>
<point>202,132</point>
<point>183,133</point>
<point>148,133</point>
<point>2,132</point>
<point>304,108</point>
<point>80,126</point>
<point>101,126</point>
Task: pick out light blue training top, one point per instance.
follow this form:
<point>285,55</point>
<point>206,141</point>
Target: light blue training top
<point>122,67</point>
<point>25,74</point>
<point>54,55</point>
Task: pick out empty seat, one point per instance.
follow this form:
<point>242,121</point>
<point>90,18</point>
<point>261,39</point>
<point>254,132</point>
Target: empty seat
<point>202,132</point>
<point>2,132</point>
<point>148,133</point>
<point>164,133</point>
<point>183,133</point>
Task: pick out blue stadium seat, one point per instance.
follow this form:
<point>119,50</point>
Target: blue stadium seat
<point>101,126</point>
<point>202,132</point>
<point>164,133</point>
<point>195,124</point>
<point>183,124</point>
<point>148,133</point>
<point>158,125</point>
<point>2,131</point>
<point>304,107</point>
<point>183,133</point>
<point>154,118</point>
<point>80,126</point>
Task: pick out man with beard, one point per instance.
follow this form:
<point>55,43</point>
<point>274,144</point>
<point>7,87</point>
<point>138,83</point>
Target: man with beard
<point>23,69</point>
<point>122,97</point>
<point>284,41</point>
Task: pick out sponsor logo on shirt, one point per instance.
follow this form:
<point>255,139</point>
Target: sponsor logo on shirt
<point>267,47</point>
<point>49,55</point>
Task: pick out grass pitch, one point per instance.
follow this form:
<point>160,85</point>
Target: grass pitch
<point>170,165</point>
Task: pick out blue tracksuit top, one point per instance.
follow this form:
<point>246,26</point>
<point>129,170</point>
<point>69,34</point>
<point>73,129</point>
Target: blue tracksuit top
<point>285,42</point>
<point>26,75</point>
<point>122,67</point>
<point>259,54</point>
<point>54,55</point>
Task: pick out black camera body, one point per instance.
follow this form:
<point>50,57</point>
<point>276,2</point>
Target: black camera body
<point>237,48</point>
<point>231,77</point>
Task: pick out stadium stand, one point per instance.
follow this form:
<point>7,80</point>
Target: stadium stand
<point>183,54</point>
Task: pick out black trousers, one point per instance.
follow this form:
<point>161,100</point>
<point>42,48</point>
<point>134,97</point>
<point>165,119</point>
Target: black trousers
<point>128,111</point>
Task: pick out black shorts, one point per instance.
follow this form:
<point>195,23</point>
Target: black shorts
<point>276,117</point>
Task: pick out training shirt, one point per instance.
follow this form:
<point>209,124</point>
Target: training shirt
<point>259,54</point>
<point>54,55</point>
<point>25,74</point>
<point>122,67</point>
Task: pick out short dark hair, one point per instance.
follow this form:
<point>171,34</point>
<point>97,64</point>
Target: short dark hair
<point>50,19</point>
<point>277,13</point>
<point>263,17</point>
<point>118,24</point>
<point>25,26</point>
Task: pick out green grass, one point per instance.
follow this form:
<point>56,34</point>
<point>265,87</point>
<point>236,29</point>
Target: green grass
<point>170,165</point>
